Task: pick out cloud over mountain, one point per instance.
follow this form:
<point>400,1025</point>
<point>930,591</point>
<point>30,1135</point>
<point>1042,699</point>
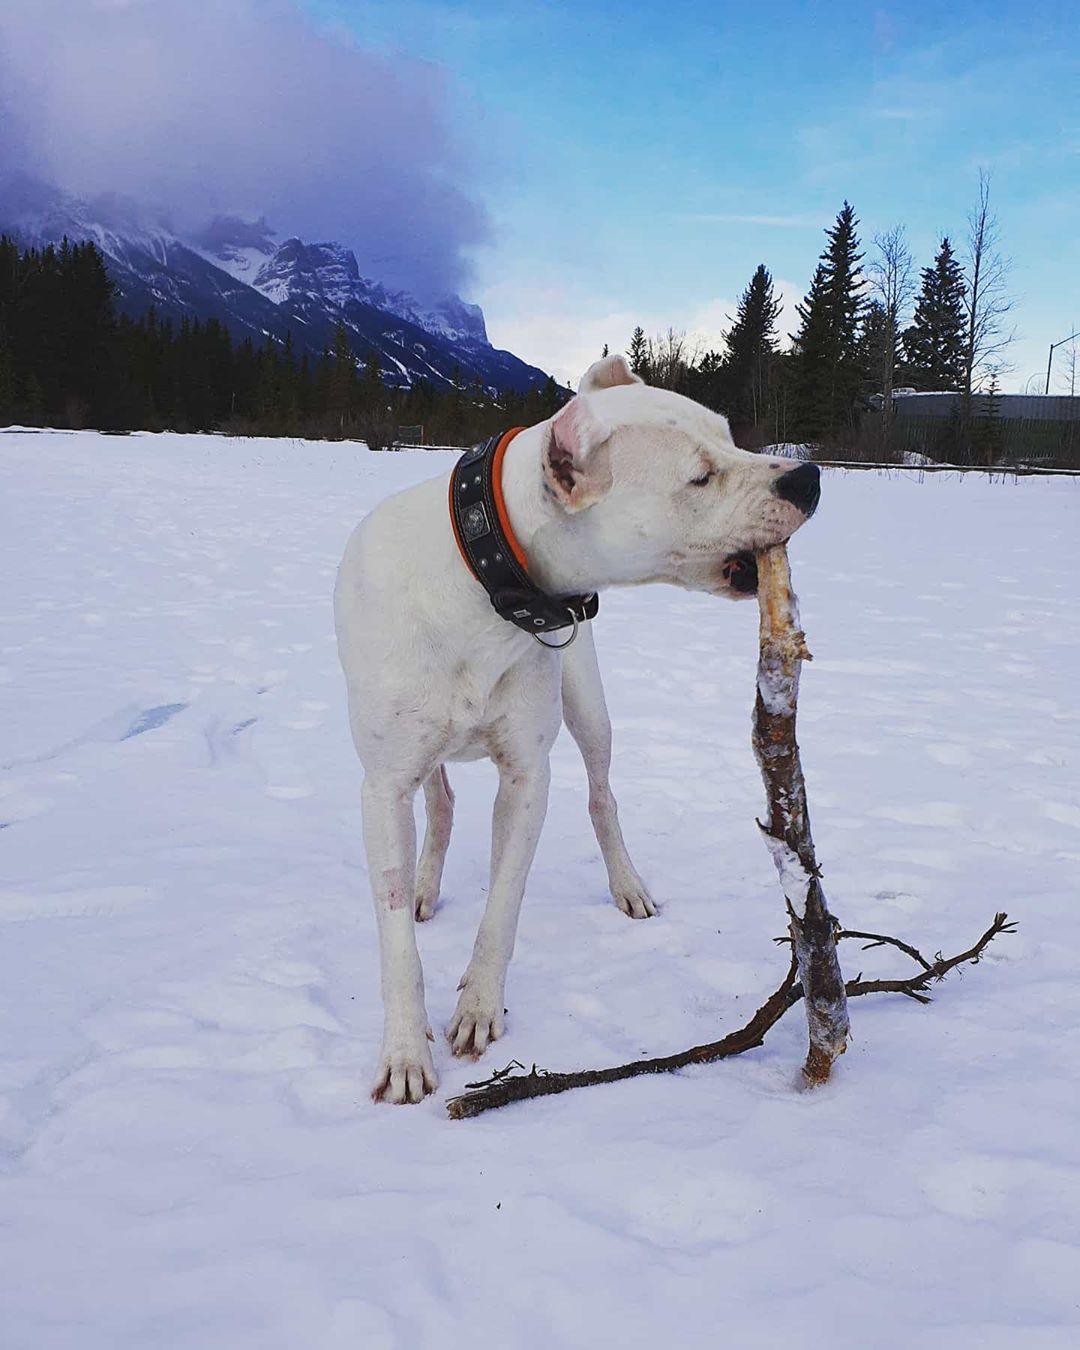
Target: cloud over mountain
<point>241,108</point>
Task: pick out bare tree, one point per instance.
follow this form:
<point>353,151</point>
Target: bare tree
<point>986,302</point>
<point>670,356</point>
<point>1069,377</point>
<point>1068,380</point>
<point>892,277</point>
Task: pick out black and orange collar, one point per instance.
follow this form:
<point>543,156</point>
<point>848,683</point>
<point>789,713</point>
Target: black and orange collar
<point>493,554</point>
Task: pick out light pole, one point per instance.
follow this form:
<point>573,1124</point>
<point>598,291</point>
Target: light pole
<point>1050,357</point>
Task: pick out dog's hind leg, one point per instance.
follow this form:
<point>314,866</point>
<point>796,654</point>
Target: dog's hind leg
<point>439,801</point>
<point>586,716</point>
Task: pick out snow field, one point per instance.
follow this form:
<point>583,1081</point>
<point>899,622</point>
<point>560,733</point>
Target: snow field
<point>189,1005</point>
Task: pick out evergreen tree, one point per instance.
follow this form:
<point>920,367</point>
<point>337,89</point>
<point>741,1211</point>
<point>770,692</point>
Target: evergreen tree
<point>827,367</point>
<point>874,346</point>
<point>9,269</point>
<point>639,353</point>
<point>341,391</point>
<point>372,389</point>
<point>987,428</point>
<point>90,331</point>
<point>7,384</point>
<point>706,381</point>
<point>751,346</point>
<point>934,344</point>
<point>32,406</point>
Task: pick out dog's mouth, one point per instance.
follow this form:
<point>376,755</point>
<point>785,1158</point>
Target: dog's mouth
<point>739,571</point>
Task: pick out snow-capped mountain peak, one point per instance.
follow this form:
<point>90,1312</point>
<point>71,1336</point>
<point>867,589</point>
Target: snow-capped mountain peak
<point>235,271</point>
<point>327,272</point>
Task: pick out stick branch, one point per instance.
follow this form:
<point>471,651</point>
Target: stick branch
<point>781,652</point>
<point>505,1087</point>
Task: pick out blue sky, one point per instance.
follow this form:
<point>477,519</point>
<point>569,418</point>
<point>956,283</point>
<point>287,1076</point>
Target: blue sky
<point>638,161</point>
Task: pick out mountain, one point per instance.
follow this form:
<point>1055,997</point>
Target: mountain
<point>234,271</point>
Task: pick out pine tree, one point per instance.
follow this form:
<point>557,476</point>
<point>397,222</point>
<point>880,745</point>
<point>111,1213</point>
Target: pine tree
<point>706,381</point>
<point>341,391</point>
<point>812,356</point>
<point>9,270</point>
<point>33,401</point>
<point>987,429</point>
<point>934,344</point>
<point>874,346</point>
<point>751,346</point>
<point>639,353</point>
<point>827,367</point>
<point>7,384</point>
<point>89,355</point>
<point>372,388</point>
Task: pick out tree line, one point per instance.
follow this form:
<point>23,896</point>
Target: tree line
<point>68,358</point>
<point>866,327</point>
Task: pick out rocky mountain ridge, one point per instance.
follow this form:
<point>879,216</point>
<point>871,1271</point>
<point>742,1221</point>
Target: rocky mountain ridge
<point>236,272</point>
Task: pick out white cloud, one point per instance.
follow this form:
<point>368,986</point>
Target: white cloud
<point>563,330</point>
<point>242,107</point>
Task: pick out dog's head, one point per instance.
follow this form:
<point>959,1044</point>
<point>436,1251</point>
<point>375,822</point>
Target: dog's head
<point>663,492</point>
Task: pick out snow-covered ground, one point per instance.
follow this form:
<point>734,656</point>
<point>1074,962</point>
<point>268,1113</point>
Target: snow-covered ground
<point>189,1009</point>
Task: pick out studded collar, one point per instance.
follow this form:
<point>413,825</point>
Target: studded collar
<point>493,554</point>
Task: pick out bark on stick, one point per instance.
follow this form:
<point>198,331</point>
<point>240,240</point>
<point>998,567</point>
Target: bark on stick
<point>782,650</point>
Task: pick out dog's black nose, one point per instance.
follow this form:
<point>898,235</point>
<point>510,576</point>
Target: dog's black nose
<point>801,487</point>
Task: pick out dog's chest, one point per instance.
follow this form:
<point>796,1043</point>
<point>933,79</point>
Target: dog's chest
<point>484,712</point>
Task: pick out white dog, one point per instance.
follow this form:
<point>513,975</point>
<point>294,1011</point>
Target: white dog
<point>626,484</point>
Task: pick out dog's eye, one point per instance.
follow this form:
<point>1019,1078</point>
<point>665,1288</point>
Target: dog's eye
<point>703,479</point>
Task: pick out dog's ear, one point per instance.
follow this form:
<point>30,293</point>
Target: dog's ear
<point>607,373</point>
<point>577,460</point>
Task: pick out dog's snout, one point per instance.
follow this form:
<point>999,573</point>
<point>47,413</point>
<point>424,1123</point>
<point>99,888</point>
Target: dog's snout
<point>801,487</point>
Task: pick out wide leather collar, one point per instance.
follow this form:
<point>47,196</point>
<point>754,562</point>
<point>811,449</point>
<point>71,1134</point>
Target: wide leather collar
<point>492,553</point>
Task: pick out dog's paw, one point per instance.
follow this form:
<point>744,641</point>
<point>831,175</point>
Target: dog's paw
<point>427,902</point>
<point>632,896</point>
<point>406,1071</point>
<point>478,1019</point>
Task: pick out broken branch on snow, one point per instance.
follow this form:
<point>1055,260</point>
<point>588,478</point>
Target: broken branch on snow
<point>505,1087</point>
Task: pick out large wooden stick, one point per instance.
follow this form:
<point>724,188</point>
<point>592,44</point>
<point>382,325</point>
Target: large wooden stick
<point>506,1086</point>
<point>781,652</point>
<point>814,974</point>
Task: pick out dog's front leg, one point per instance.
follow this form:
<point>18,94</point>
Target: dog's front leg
<point>406,1072</point>
<point>519,814</point>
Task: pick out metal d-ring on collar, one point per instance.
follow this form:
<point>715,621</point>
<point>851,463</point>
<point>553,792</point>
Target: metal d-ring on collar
<point>559,646</point>
<point>495,558</point>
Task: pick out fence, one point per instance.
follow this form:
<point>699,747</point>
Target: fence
<point>1005,428</point>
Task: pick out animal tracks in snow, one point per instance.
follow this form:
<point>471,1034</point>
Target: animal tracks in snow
<point>123,725</point>
<point>152,718</point>
<point>79,903</point>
